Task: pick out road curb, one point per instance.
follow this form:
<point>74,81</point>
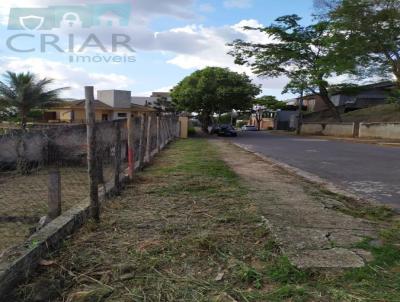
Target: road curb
<point>310,177</point>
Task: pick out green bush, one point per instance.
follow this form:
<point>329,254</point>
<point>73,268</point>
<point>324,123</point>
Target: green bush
<point>191,131</point>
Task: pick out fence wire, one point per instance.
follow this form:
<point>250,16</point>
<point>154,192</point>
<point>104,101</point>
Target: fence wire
<point>29,158</point>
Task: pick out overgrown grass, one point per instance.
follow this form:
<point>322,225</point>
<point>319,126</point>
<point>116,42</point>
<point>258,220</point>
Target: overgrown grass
<point>187,231</point>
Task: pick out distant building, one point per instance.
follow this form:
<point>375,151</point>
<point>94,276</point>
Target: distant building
<point>365,96</point>
<point>362,97</point>
<point>109,105</point>
<point>143,100</point>
<point>152,100</point>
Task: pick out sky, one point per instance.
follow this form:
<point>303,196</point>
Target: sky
<point>168,40</point>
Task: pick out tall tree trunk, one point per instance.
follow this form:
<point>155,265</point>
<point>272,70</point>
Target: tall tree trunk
<point>323,92</point>
<point>23,121</point>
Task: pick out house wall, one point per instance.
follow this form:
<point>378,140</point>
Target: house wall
<point>265,124</point>
<point>64,115</point>
<point>79,115</point>
<point>314,104</point>
<point>115,98</point>
<point>380,130</point>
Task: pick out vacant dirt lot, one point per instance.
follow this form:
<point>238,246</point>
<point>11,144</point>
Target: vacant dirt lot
<point>190,229</point>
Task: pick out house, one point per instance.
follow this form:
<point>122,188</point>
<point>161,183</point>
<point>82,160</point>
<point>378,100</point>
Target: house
<point>165,95</point>
<point>349,99</point>
<point>109,105</point>
<point>363,96</point>
<point>143,100</point>
<point>267,122</point>
<point>152,99</point>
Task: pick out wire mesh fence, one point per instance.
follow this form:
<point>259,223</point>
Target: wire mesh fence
<point>45,171</point>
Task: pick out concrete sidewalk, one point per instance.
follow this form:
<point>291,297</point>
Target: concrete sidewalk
<point>305,220</point>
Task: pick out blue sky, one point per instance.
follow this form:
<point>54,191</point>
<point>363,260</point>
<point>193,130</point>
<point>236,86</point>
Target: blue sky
<point>172,38</point>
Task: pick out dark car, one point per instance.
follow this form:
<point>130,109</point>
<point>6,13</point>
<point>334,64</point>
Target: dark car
<point>227,130</point>
<point>214,129</point>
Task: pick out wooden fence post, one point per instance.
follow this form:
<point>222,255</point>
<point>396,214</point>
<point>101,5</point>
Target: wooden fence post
<point>54,194</point>
<point>144,140</point>
<point>141,137</point>
<point>158,134</point>
<point>148,139</point>
<point>117,167</point>
<point>131,151</point>
<point>91,153</point>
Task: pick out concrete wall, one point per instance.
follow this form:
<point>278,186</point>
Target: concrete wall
<point>380,130</point>
<point>331,129</point>
<point>342,130</point>
<point>312,129</point>
<point>67,143</point>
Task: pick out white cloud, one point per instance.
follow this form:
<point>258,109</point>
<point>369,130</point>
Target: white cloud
<point>206,8</point>
<point>65,75</point>
<point>237,3</point>
<point>214,52</point>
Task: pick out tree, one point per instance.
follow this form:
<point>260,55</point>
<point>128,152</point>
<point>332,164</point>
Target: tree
<point>304,54</point>
<point>214,90</point>
<point>369,30</point>
<point>163,104</point>
<point>270,102</point>
<point>25,92</point>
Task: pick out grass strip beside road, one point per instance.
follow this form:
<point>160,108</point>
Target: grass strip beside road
<point>187,230</point>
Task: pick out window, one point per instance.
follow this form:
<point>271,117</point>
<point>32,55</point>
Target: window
<point>122,115</point>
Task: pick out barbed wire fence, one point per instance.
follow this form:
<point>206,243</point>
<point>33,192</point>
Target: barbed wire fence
<point>44,172</point>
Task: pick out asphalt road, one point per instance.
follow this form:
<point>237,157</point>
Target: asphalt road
<point>369,170</point>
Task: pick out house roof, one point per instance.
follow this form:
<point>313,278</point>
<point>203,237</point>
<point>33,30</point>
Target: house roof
<point>160,94</point>
<point>380,85</point>
<point>77,104</point>
<point>81,104</point>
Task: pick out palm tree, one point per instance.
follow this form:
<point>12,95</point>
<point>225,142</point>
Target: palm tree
<point>25,92</point>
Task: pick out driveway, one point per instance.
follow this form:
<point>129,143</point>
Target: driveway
<point>368,170</point>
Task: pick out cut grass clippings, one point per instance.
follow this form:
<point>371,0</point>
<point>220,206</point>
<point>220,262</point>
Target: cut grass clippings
<point>187,231</point>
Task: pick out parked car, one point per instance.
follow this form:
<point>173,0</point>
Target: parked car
<point>227,130</point>
<point>249,128</point>
<point>214,129</point>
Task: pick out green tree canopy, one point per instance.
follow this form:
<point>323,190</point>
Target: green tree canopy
<point>214,90</point>
<point>270,102</point>
<point>304,54</point>
<point>369,30</point>
<point>25,92</point>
